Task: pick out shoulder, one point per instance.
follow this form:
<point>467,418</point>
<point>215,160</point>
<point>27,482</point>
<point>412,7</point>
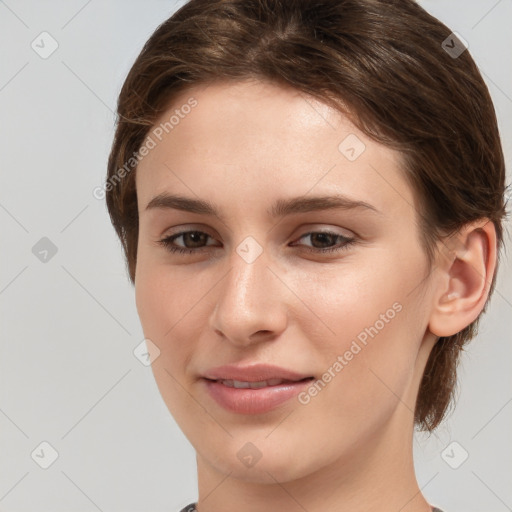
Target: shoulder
<point>192,508</point>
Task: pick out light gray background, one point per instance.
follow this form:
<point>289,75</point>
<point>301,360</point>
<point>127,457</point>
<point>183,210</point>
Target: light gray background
<point>69,326</point>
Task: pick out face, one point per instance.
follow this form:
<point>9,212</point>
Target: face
<point>275,275</point>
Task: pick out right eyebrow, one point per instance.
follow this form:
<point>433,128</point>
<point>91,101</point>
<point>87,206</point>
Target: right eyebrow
<point>281,208</point>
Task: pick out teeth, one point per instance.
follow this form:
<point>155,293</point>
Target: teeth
<point>274,382</point>
<point>252,385</point>
<point>239,384</point>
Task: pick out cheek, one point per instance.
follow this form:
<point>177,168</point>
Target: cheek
<point>162,295</point>
<point>164,304</point>
<point>348,299</point>
<point>164,310</point>
<point>173,307</point>
<point>367,316</point>
<point>154,305</point>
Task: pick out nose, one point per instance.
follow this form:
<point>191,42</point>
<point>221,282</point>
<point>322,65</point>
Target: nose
<point>251,305</point>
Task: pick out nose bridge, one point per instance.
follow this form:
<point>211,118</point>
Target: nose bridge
<point>248,299</point>
<point>248,279</point>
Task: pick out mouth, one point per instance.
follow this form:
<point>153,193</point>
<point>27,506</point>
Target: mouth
<point>254,397</point>
<point>240,384</point>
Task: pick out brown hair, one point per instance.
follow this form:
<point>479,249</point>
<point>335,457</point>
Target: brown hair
<point>385,64</point>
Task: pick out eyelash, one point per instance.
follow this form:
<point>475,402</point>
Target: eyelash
<point>167,243</point>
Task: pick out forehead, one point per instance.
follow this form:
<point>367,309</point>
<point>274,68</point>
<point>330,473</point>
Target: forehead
<point>256,140</point>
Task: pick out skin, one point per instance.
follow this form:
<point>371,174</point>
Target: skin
<point>244,146</point>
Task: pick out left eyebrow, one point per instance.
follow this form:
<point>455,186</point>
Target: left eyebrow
<point>281,208</point>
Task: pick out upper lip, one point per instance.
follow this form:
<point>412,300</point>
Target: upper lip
<point>252,373</point>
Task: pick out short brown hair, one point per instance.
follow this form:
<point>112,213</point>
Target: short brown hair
<point>385,64</point>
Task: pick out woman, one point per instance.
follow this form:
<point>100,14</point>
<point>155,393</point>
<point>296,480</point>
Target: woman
<point>310,199</point>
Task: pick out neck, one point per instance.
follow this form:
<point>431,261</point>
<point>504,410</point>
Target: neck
<point>378,477</point>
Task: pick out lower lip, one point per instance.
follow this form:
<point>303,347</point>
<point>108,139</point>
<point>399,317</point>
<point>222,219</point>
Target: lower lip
<point>254,401</point>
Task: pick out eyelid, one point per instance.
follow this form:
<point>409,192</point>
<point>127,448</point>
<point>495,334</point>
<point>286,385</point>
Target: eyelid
<point>322,228</point>
<point>166,240</point>
<point>185,228</point>
<point>346,241</point>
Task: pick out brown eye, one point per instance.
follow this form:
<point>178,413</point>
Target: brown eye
<point>323,241</point>
<point>193,241</point>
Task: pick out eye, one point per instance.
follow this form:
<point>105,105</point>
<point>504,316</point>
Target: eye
<point>194,242</point>
<point>327,238</point>
<point>193,238</point>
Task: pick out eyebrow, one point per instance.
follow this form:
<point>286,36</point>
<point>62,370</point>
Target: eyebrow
<point>281,208</point>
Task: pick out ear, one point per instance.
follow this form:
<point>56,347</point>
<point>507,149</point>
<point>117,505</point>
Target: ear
<point>466,266</point>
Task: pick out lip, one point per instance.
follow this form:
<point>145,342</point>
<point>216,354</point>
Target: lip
<point>252,373</point>
<point>253,401</point>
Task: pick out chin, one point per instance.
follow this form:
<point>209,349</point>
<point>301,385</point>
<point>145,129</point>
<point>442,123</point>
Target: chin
<point>271,466</point>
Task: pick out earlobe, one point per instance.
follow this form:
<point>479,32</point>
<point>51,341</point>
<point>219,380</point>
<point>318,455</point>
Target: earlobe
<point>465,278</point>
